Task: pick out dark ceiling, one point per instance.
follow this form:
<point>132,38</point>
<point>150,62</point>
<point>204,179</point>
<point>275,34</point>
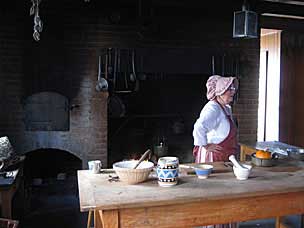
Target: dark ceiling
<point>169,7</point>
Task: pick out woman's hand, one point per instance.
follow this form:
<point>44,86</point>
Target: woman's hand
<point>213,148</point>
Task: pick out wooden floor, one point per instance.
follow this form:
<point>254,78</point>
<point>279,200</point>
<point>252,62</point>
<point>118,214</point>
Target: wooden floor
<point>54,204</point>
<point>62,219</point>
<point>75,219</point>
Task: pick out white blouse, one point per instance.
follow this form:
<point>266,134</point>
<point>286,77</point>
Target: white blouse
<point>212,126</point>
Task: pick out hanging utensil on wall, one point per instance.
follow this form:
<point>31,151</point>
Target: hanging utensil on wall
<point>223,65</point>
<point>115,69</point>
<point>141,76</point>
<point>110,59</point>
<point>136,87</point>
<point>212,66</point>
<point>121,82</point>
<point>102,84</point>
<point>236,74</point>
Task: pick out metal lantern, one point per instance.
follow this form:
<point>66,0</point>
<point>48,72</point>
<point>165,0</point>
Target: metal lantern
<point>245,23</point>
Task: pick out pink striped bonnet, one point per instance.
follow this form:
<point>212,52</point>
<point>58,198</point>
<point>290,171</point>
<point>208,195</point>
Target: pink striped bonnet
<point>217,85</point>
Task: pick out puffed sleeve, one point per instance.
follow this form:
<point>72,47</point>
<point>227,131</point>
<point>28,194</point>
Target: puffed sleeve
<point>207,121</point>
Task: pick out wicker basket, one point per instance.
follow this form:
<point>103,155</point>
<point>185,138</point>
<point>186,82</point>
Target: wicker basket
<point>127,174</point>
<point>8,223</point>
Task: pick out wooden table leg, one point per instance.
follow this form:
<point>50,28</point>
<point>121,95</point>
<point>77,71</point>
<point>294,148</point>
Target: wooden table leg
<point>110,218</point>
<point>89,219</point>
<point>280,224</point>
<point>97,219</point>
<point>6,195</point>
<point>6,204</point>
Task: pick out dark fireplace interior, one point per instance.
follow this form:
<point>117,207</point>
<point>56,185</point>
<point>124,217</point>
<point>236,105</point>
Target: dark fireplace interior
<point>50,182</point>
<point>163,110</point>
<point>49,163</point>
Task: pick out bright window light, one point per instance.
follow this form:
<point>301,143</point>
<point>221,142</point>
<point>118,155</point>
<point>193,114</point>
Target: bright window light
<point>269,86</point>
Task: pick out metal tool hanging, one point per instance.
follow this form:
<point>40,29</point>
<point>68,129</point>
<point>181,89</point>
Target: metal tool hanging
<point>124,76</point>
<point>102,84</point>
<point>212,66</point>
<point>136,87</point>
<point>38,25</point>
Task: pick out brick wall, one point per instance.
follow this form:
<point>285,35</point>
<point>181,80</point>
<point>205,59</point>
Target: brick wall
<point>65,61</point>
<point>28,67</point>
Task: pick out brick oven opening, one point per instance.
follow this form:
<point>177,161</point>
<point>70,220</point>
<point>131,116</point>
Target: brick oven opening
<point>50,181</point>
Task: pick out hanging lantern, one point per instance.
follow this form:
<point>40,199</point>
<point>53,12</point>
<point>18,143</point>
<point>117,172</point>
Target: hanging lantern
<point>245,23</point>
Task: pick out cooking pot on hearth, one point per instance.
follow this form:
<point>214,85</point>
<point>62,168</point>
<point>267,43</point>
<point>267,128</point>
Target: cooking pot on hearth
<point>264,162</point>
<point>161,149</point>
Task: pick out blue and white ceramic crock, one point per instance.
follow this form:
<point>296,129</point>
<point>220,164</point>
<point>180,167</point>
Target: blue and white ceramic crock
<point>167,171</point>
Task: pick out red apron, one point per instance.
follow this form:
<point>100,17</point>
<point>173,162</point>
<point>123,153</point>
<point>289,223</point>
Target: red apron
<point>229,145</point>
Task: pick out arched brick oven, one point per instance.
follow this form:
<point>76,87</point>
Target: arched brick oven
<point>60,135</point>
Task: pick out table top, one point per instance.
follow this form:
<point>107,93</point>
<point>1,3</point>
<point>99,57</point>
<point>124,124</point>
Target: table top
<point>95,191</point>
<point>8,178</point>
<point>272,146</point>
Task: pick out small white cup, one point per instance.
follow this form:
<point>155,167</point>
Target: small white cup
<point>95,166</point>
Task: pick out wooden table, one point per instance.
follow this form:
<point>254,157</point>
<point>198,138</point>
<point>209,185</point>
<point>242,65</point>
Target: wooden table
<point>8,187</point>
<point>248,148</point>
<point>269,192</point>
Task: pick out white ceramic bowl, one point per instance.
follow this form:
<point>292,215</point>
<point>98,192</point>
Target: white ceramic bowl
<point>242,174</point>
<point>203,171</point>
<point>127,174</point>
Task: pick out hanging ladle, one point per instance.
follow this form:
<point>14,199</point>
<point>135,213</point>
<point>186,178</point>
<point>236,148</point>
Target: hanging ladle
<point>143,157</point>
<point>102,84</point>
